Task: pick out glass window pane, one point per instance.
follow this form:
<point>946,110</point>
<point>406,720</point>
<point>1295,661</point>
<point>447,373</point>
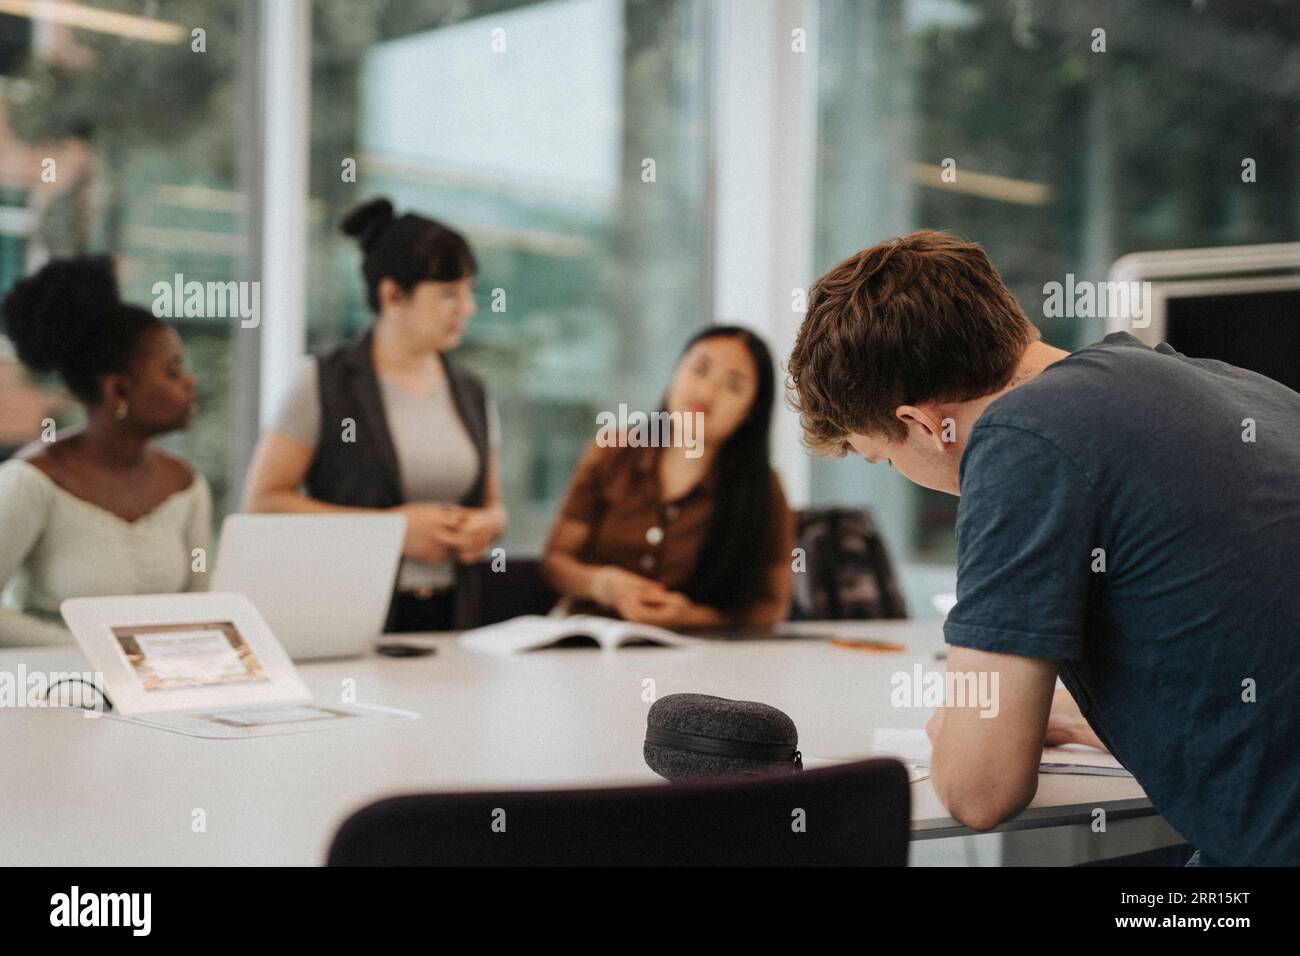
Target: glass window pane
<point>123,136</point>
<point>1069,148</point>
<point>526,126</point>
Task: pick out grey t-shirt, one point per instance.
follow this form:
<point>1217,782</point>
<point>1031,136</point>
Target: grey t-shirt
<point>1135,514</point>
<point>440,471</point>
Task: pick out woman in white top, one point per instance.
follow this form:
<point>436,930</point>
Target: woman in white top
<point>97,510</point>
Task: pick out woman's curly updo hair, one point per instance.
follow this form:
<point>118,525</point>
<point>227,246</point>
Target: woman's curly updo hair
<point>69,318</point>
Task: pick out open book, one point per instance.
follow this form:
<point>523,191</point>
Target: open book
<point>1076,758</point>
<point>533,632</point>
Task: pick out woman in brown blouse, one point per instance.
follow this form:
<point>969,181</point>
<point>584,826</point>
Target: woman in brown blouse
<point>689,535</point>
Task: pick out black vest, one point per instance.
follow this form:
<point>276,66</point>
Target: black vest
<point>363,472</point>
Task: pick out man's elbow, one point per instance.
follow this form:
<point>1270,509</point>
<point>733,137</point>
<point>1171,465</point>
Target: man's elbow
<point>981,815</point>
<point>984,805</point>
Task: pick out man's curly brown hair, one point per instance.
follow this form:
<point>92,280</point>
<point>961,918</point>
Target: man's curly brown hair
<point>924,317</point>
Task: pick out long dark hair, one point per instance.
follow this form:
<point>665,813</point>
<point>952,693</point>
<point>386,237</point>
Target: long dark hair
<point>408,249</point>
<point>733,559</point>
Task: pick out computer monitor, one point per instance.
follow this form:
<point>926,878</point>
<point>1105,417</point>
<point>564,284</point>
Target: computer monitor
<point>1239,304</point>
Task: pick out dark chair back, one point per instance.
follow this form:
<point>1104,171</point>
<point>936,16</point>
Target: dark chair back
<point>851,815</point>
<point>520,588</point>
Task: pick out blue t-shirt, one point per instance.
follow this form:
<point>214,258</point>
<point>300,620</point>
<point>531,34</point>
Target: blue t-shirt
<point>1184,652</point>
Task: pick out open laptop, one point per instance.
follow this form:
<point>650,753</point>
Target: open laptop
<point>322,582</point>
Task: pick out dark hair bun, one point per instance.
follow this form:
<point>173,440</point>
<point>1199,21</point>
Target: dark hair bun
<point>367,221</point>
<point>53,314</point>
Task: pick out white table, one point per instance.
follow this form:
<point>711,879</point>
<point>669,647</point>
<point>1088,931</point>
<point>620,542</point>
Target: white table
<point>81,791</point>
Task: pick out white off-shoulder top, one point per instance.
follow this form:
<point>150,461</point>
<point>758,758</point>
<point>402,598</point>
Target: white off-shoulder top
<point>54,546</point>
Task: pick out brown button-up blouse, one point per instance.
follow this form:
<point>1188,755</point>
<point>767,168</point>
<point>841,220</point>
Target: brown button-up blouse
<point>616,493</point>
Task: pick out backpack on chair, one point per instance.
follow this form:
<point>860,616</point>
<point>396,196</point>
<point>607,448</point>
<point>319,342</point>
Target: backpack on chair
<point>847,573</point>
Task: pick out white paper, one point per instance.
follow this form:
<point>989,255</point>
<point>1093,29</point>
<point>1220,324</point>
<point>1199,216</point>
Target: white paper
<point>274,716</point>
<point>195,657</point>
<point>250,722</point>
<point>906,743</point>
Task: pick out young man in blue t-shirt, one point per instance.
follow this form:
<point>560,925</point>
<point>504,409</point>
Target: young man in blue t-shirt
<point>1129,522</point>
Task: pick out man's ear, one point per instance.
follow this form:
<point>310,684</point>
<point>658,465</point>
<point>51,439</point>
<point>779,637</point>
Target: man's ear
<point>936,429</point>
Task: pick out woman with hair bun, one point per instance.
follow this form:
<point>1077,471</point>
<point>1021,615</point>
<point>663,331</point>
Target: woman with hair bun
<point>100,510</point>
<point>386,422</point>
